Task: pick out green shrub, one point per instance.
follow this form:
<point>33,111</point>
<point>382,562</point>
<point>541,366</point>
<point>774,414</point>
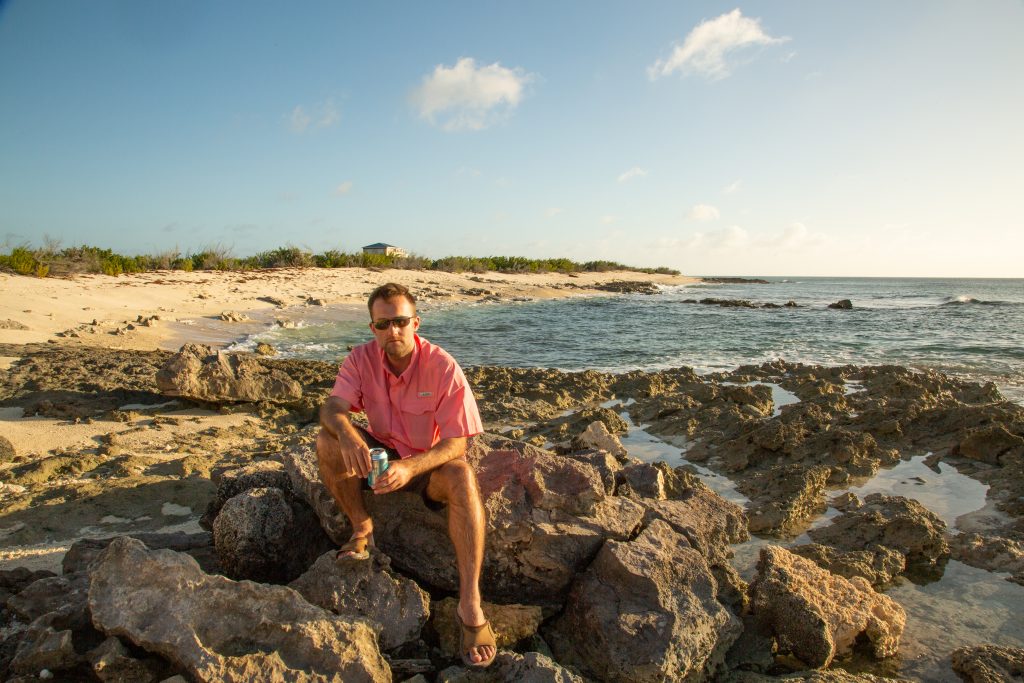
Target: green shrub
<point>22,261</point>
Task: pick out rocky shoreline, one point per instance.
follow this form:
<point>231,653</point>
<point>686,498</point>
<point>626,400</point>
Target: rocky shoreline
<point>599,566</point>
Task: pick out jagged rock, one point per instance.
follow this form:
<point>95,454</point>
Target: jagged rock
<point>892,522</point>
<point>13,581</point>
<point>511,624</point>
<point>844,304</point>
<point>199,546</point>
<point>230,483</point>
<point>112,662</point>
<point>265,349</point>
<point>547,517</point>
<point>879,566</point>
<point>265,534</point>
<point>827,676</point>
<point>200,373</point>
<point>221,630</point>
<point>628,287</point>
<point>276,300</point>
<point>44,647</point>
<point>366,589</point>
<point>785,498</point>
<point>989,663</point>
<point>817,615</point>
<point>596,436</point>
<point>604,462</point>
<point>709,522</point>
<point>641,480</point>
<point>312,301</point>
<point>61,597</point>
<point>989,444</point>
<point>532,667</point>
<point>646,610</point>
<point>7,452</point>
<point>234,317</point>
<point>992,553</point>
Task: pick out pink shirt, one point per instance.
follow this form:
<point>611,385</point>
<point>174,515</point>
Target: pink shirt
<point>428,402</point>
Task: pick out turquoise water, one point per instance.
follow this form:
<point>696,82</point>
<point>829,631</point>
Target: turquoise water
<point>968,328</point>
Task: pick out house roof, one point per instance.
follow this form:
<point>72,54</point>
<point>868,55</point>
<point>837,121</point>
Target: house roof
<point>378,245</point>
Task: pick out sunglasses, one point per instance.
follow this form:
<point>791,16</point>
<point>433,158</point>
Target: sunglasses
<point>386,323</point>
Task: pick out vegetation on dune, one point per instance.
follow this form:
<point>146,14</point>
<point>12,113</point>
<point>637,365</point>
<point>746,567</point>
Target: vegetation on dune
<point>53,260</point>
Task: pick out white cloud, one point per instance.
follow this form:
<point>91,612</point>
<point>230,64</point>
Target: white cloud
<point>343,189</point>
<point>733,237</point>
<point>704,212</point>
<point>609,219</point>
<point>732,188</point>
<point>468,97</point>
<point>553,211</point>
<point>635,172</point>
<point>705,49</point>
<point>325,115</point>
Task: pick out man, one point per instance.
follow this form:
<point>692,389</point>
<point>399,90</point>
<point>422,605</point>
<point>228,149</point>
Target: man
<point>420,408</point>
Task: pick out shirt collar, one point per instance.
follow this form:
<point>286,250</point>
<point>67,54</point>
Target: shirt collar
<point>412,364</point>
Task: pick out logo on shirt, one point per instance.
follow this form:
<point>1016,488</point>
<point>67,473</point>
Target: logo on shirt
<point>425,394</point>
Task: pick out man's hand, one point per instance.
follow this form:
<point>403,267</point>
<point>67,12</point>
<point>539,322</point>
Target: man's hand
<point>397,475</point>
<point>346,451</point>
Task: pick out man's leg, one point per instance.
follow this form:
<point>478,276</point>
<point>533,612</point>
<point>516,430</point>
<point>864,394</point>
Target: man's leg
<point>345,488</point>
<point>454,483</point>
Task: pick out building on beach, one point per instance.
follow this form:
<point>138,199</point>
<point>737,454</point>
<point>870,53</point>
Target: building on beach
<point>386,249</point>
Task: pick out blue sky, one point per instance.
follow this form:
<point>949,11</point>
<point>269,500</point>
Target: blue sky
<point>775,138</point>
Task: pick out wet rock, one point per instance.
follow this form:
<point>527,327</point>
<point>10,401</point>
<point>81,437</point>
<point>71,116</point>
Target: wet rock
<point>511,624</point>
<point>7,452</point>
<point>198,372</point>
<point>312,301</point>
<point>265,349</point>
<point>211,630</point>
<point>992,553</point>
<point>567,429</point>
<point>989,444</point>
<point>596,436</point>
<point>843,304</point>
<point>532,667</point>
<point>826,676</point>
<point>199,546</point>
<point>393,605</point>
<point>234,317</point>
<point>892,522</point>
<point>628,287</point>
<point>649,610</point>
<point>547,517</point>
<point>988,663</point>
<point>879,566</point>
<point>265,534</point>
<point>528,394</point>
<point>784,499</point>
<point>817,615</point>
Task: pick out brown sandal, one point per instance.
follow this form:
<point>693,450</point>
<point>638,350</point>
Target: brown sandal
<point>474,637</point>
<point>356,549</point>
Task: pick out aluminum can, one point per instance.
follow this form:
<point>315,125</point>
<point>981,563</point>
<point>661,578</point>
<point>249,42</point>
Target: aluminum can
<point>378,464</point>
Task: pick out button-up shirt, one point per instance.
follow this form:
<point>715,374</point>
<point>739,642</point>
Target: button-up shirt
<point>410,412</point>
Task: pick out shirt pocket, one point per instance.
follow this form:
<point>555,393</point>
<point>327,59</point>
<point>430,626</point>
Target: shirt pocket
<point>418,419</point>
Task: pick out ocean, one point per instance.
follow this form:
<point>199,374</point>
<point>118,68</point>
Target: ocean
<point>969,328</point>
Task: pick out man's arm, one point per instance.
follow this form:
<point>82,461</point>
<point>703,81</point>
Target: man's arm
<point>352,453</point>
<point>399,472</point>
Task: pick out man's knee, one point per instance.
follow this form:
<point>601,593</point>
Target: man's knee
<point>458,480</point>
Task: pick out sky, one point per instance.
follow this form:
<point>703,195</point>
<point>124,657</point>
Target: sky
<point>873,138</point>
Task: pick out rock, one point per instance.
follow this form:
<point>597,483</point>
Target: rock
<point>605,464</point>
<point>988,663</point>
<point>988,444</point>
<point>265,349</point>
<point>197,372</point>
<point>992,553</point>
<point>199,546</point>
<point>277,301</point>
<point>62,598</point>
<point>646,610</point>
<point>817,615</point>
<point>112,662</point>
<point>532,667</point>
<point>311,301</point>
<point>7,452</point>
<point>222,630</point>
<point>13,581</point>
<point>596,436</point>
<point>892,522</point>
<point>395,606</point>
<point>234,317</point>
<point>879,567</point>
<point>511,624</point>
<point>547,517</point>
<point>843,304</point>
<point>641,480</point>
<point>44,647</point>
<point>266,535</point>
<point>784,498</point>
<point>628,287</point>
<point>230,483</point>
<point>12,325</point>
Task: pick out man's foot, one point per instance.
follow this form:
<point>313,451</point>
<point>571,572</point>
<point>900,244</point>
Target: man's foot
<point>479,646</point>
<point>356,548</point>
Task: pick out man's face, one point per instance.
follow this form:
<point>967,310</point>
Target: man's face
<point>396,341</point>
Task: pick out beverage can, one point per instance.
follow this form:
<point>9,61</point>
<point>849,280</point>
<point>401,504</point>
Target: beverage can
<point>378,464</point>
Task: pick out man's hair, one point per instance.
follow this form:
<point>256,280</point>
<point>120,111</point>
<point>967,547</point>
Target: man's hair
<point>390,290</point>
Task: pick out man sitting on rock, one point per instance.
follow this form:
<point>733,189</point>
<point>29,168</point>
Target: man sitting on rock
<point>421,410</point>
